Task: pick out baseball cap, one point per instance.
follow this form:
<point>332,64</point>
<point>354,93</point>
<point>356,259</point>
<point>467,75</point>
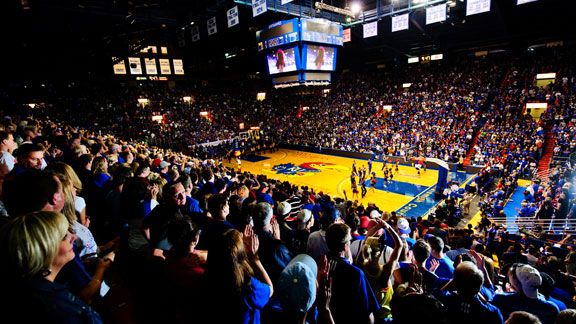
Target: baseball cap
<point>529,279</point>
<point>164,164</point>
<point>364,222</point>
<point>115,147</point>
<point>548,283</point>
<point>283,208</point>
<point>330,215</point>
<point>404,226</point>
<point>303,217</point>
<point>262,215</point>
<point>297,284</point>
<point>375,214</point>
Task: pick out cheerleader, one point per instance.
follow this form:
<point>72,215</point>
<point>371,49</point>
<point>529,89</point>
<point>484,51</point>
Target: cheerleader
<point>373,181</point>
<point>353,186</point>
<point>385,176</point>
<point>418,165</point>
<point>239,162</point>
<point>362,174</point>
<point>363,181</point>
<point>384,163</point>
<point>370,165</point>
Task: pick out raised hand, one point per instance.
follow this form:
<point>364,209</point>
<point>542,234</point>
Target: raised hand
<point>275,228</point>
<point>324,292</point>
<point>479,259</point>
<point>251,242</point>
<point>415,284</point>
<point>434,264</point>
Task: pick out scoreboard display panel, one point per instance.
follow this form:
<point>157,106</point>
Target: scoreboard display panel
<point>283,60</point>
<point>278,34</point>
<point>300,51</point>
<point>317,57</point>
<point>319,31</point>
<point>293,78</point>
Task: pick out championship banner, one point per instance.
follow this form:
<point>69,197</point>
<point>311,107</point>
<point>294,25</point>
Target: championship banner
<point>150,65</point>
<point>195,33</point>
<point>346,35</point>
<point>120,67</point>
<point>435,14</point>
<point>233,18</point>
<point>258,7</point>
<point>370,29</point>
<point>212,29</point>
<point>165,66</point>
<point>477,6</point>
<point>400,22</point>
<point>135,66</point>
<point>182,38</point>
<point>178,66</point>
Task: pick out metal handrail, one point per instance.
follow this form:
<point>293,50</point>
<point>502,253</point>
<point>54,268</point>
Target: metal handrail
<point>528,223</point>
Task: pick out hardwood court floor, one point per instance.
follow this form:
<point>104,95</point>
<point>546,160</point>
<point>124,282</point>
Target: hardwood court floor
<point>331,175</point>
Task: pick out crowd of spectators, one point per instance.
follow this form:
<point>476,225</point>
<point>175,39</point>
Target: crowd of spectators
<point>99,226</point>
<point>564,115</point>
<point>155,235</point>
<point>511,132</point>
<point>437,116</point>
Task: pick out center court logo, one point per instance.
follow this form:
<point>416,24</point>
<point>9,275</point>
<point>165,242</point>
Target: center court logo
<point>305,169</point>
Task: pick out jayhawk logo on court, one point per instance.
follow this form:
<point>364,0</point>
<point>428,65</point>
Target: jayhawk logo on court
<point>303,169</point>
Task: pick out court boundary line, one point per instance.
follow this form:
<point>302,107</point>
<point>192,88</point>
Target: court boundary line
<point>440,201</point>
<point>416,197</point>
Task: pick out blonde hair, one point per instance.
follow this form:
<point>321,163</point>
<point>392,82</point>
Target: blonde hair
<point>243,190</point>
<point>30,242</point>
<point>228,262</point>
<point>69,180</point>
<point>99,165</point>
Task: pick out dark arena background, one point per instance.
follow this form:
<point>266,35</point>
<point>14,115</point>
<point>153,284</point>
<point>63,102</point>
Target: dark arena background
<point>288,161</point>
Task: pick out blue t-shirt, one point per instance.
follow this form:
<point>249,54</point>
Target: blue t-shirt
<point>211,231</point>
<point>208,188</point>
<point>193,206</point>
<point>352,297</point>
<point>101,179</point>
<point>469,311</point>
<point>74,273</point>
<point>510,302</point>
<point>410,242</point>
<point>42,301</point>
<point>560,304</point>
<point>264,197</point>
<point>488,293</point>
<point>254,300</point>
<point>445,268</point>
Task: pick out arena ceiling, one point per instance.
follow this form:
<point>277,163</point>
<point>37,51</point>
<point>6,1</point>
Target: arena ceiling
<point>48,33</point>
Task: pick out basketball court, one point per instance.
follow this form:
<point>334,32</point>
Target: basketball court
<point>408,193</point>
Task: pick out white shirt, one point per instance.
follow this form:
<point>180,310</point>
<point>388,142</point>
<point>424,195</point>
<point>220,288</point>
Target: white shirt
<point>85,239</point>
<point>7,162</point>
<point>79,204</point>
<point>316,246</point>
